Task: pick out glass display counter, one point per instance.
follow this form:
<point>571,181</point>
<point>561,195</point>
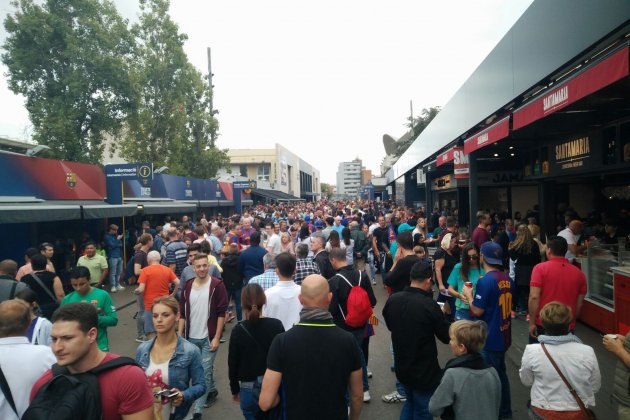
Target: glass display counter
<point>597,266</point>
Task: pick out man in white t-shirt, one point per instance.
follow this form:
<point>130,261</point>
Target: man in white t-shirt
<point>283,299</point>
<point>273,239</point>
<point>572,235</point>
<point>22,363</point>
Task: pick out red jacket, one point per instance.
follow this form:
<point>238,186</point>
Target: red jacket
<point>217,305</point>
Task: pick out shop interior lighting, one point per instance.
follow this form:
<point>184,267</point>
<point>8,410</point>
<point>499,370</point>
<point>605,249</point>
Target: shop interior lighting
<point>511,154</point>
<point>496,155</point>
<point>511,147</point>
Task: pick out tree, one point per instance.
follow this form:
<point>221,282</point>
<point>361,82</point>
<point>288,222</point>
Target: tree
<point>327,189</point>
<point>417,126</point>
<point>171,123</point>
<point>70,59</point>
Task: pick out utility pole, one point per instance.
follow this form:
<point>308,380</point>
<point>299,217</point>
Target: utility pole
<point>212,110</point>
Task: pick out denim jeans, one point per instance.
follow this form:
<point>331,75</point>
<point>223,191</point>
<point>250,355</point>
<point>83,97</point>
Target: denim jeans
<point>207,361</point>
<point>417,405</point>
<point>236,295</point>
<point>496,359</point>
<point>140,315</point>
<point>358,336</point>
<point>115,268</point>
<point>463,314</point>
<point>249,404</point>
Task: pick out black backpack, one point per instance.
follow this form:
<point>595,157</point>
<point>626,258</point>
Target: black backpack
<point>67,396</point>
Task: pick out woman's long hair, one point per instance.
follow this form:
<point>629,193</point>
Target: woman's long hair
<point>345,234</point>
<point>523,241</point>
<point>333,239</point>
<point>252,299</point>
<point>463,271</point>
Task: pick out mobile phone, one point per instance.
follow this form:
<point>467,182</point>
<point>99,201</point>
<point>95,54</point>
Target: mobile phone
<point>168,393</point>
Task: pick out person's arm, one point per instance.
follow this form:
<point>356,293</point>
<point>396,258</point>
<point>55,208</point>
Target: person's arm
<point>444,395</point>
<point>477,311</point>
<point>439,264</point>
<point>214,344</point>
<point>176,283</point>
<point>377,254</point>
<point>525,372</point>
<point>269,392</point>
<point>104,274</point>
<point>578,306</point>
<point>137,268</point>
<point>532,307</point>
<point>616,347</point>
<point>107,314</point>
<point>58,289</point>
<point>234,358</point>
<point>356,394</point>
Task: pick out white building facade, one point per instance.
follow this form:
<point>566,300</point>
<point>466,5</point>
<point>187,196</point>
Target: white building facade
<point>349,178</point>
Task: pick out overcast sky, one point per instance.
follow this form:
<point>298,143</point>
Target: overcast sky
<point>326,79</point>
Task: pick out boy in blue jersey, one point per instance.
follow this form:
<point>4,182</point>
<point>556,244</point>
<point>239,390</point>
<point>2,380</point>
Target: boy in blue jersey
<point>492,303</point>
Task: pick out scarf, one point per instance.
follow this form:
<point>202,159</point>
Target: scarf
<point>308,313</point>
<point>559,339</point>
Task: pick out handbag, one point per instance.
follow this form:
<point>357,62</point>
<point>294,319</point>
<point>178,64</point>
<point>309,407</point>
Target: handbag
<point>588,413</point>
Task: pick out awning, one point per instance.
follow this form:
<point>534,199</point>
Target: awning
<point>164,207</point>
<point>446,157</point>
<point>591,79</point>
<point>488,136</point>
<point>38,212</point>
<point>104,210</point>
<point>210,203</point>
<point>275,195</point>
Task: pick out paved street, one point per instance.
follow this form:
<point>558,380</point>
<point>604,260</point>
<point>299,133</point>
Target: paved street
<point>122,342</point>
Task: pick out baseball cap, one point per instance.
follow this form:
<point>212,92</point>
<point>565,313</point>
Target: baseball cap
<point>307,218</point>
<point>318,224</point>
<point>492,253</point>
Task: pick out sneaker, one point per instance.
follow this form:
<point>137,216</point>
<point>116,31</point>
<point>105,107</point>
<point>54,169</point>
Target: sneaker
<point>141,339</point>
<point>527,317</point>
<point>394,397</point>
<point>230,318</point>
<point>196,416</point>
<point>222,339</point>
<point>211,398</point>
<point>374,281</point>
<point>366,396</point>
<point>369,373</point>
<point>513,314</point>
<point>120,287</point>
<point>113,290</point>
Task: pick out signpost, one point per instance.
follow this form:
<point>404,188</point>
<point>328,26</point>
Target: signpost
<point>115,175</point>
<point>239,187</point>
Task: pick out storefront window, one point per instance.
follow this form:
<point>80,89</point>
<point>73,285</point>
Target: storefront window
<point>596,266</point>
<point>609,145</point>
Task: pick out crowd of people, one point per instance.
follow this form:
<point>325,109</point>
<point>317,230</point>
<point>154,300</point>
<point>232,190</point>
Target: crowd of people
<point>298,280</point>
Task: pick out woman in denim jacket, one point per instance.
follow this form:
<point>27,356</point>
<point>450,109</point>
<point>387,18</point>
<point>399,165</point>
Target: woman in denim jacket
<point>171,364</point>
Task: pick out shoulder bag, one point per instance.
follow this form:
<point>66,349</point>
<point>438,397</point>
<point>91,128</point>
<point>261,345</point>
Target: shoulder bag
<point>44,288</point>
<point>6,390</point>
<point>588,413</point>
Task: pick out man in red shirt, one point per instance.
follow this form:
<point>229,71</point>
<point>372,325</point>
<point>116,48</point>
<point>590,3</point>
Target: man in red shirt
<point>154,282</point>
<point>555,280</point>
<point>480,235</point>
<point>125,392</point>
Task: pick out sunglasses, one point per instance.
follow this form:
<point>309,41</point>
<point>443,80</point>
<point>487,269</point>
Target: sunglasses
<point>473,257</point>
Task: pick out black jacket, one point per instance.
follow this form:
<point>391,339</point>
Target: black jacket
<point>323,262</point>
<point>341,289</point>
<point>415,319</point>
<point>398,277</point>
<point>232,278</point>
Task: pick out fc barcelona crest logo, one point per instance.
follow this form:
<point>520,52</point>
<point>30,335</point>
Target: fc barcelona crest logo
<point>71,179</point>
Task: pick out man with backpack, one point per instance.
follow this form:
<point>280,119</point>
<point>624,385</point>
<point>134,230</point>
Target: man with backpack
<point>352,303</point>
<point>87,382</point>
<point>22,363</point>
<point>8,286</point>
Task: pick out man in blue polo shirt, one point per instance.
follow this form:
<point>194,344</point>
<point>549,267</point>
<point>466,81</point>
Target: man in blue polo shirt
<point>492,303</point>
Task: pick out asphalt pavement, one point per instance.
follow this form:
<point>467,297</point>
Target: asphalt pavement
<point>122,341</point>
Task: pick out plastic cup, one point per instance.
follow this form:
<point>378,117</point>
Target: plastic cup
<point>611,336</point>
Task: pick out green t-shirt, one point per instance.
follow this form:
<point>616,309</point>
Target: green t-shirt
<point>106,315</point>
<point>457,282</point>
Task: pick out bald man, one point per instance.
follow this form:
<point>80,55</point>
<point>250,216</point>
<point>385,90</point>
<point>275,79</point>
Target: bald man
<point>297,354</point>
<point>572,235</point>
